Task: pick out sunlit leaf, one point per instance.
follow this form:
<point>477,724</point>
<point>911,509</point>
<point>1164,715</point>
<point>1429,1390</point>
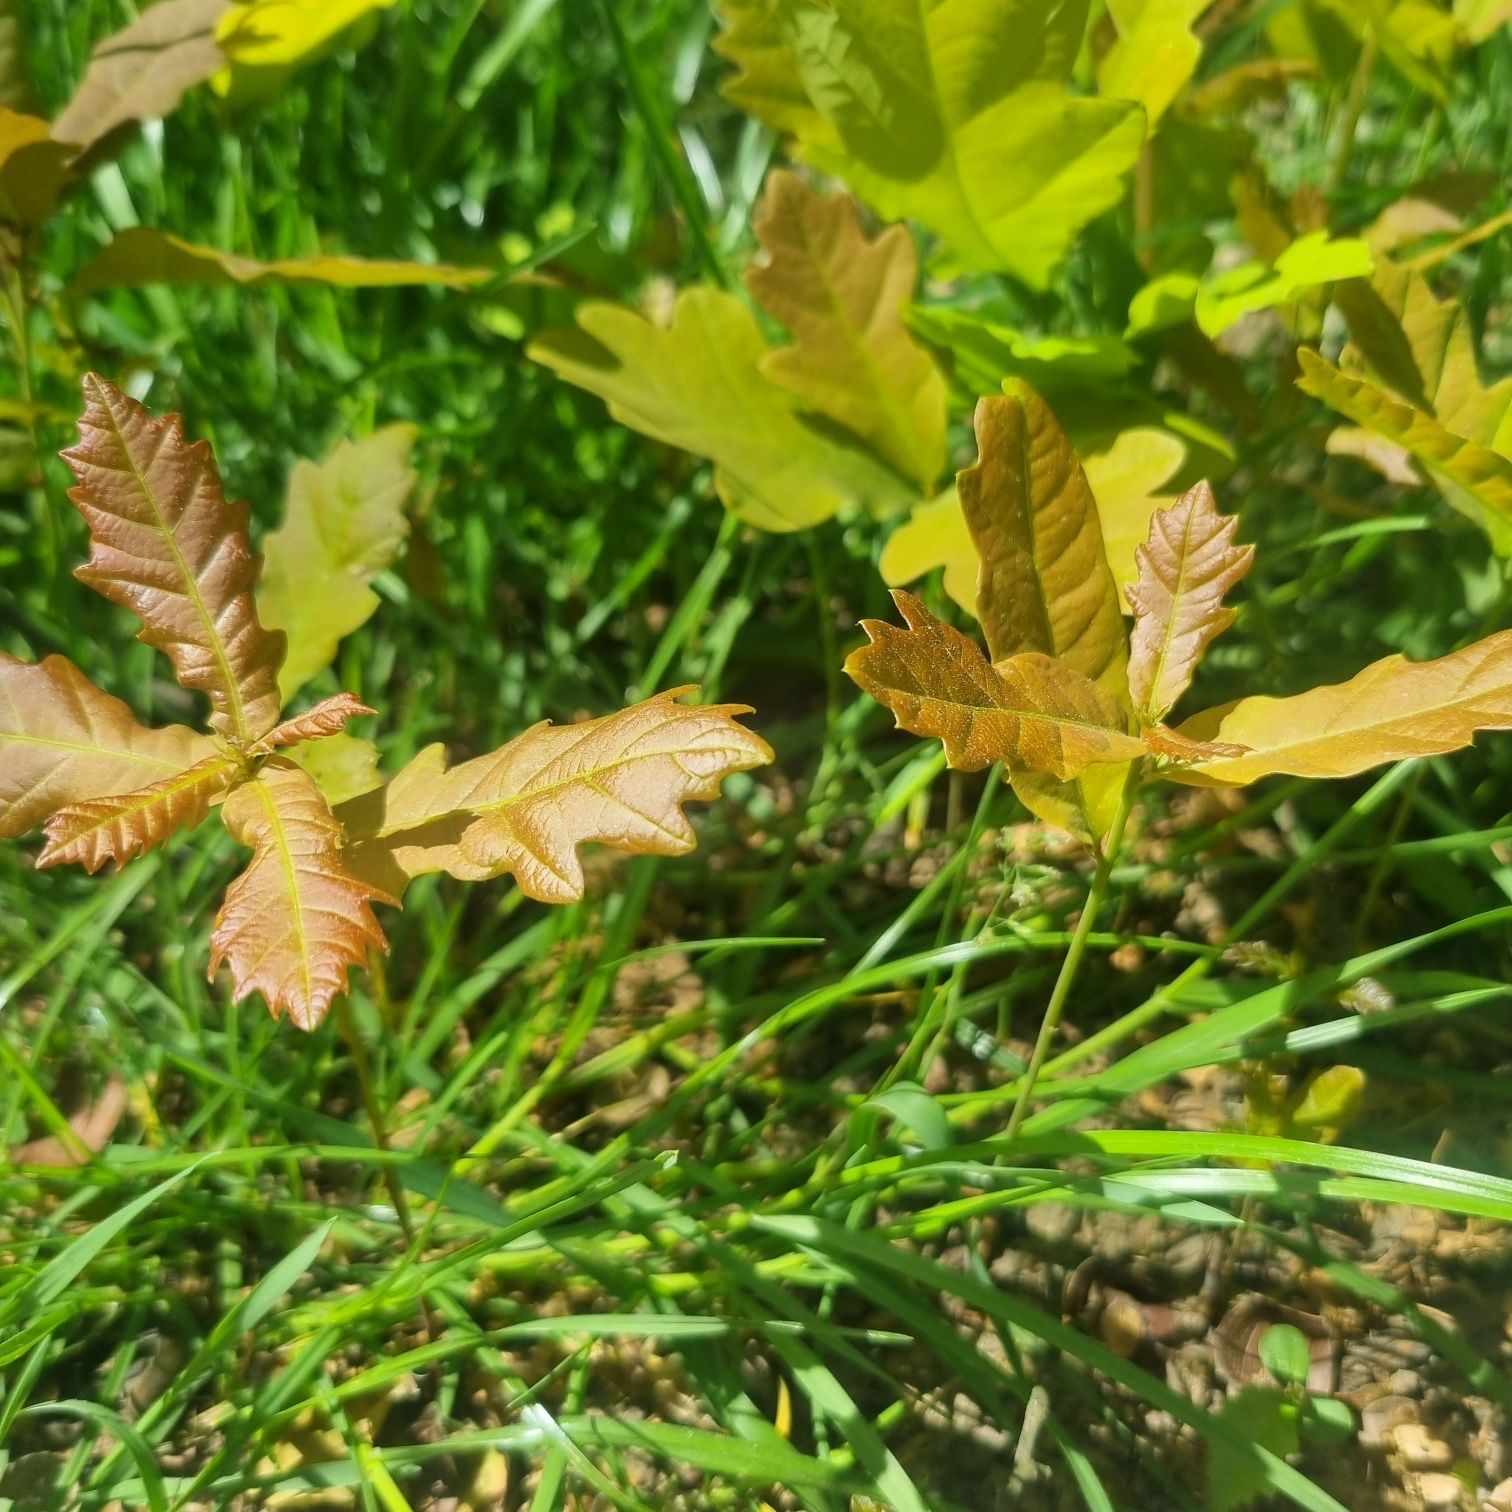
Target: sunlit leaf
<point>956,115</point>
<point>117,828</point>
<point>34,167</point>
<point>1044,583</point>
<point>1392,710</point>
<point>165,543</point>
<point>1415,36</point>
<point>325,720</point>
<point>1155,54</point>
<point>144,70</point>
<point>1028,709</point>
<point>525,809</point>
<point>1393,462</point>
<point>142,255</point>
<point>1480,20</point>
<point>699,385</point>
<point>1187,566</point>
<point>296,920</point>
<point>1474,479</point>
<point>1127,482</point>
<point>1420,346</point>
<point>343,524</point>
<point>277,33</point>
<point>842,295</point>
<point>1217,301</point>
<point>63,740</point>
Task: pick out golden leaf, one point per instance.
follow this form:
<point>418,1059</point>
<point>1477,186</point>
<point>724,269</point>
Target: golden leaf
<point>165,543</point>
<point>699,385</point>
<point>343,766</point>
<point>142,255</point>
<point>525,809</point>
<point>1029,709</point>
<point>343,524</point>
<point>62,741</point>
<point>124,825</point>
<point>842,297</point>
<point>1392,710</point>
<point>1474,479</point>
<point>1188,564</point>
<point>297,919</point>
<point>329,717</point>
<point>144,70</point>
<point>1044,583</point>
<point>1126,481</point>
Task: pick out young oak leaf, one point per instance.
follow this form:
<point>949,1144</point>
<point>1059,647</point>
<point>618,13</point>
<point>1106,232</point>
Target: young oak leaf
<point>1028,709</point>
<point>165,543</point>
<point>343,524</point>
<point>143,71</point>
<point>1189,562</point>
<point>842,296</point>
<point>620,780</point>
<point>699,385</point>
<point>297,919</point>
<point>327,718</point>
<point>1474,479</point>
<point>1044,583</point>
<point>1171,745</point>
<point>955,114</point>
<point>1392,710</point>
<point>116,828</point>
<point>1127,481</point>
<point>63,741</point>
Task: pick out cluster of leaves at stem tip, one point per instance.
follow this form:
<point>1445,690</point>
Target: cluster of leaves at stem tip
<point>166,544</point>
<point>1076,706</point>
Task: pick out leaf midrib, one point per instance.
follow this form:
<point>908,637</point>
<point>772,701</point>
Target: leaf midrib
<point>231,687</point>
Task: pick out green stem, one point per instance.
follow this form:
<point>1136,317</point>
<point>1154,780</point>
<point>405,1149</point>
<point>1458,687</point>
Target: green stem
<point>1354,104</point>
<point>374,1108</point>
<point>1061,993</point>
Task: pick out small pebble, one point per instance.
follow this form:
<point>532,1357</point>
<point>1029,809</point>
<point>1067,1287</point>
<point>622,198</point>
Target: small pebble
<point>1419,1449</point>
<point>1439,1490</point>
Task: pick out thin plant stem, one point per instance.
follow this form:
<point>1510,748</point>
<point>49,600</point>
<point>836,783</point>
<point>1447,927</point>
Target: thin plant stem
<point>1354,105</point>
<point>374,1108</point>
<point>1061,992</point>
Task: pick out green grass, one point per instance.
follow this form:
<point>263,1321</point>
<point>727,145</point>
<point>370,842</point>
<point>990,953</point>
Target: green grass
<point>679,1204</point>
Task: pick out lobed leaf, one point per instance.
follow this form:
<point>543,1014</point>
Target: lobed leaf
<point>141,255</point>
<point>124,825</point>
<point>297,919</point>
<point>63,741</point>
<point>954,114</point>
<point>327,718</point>
<point>343,524</point>
<point>1474,479</point>
<point>1127,482</point>
<point>699,385</point>
<point>165,543</point>
<point>525,809</point>
<point>1028,709</point>
<point>1392,710</point>
<point>842,297</point>
<point>144,70</point>
<point>1044,583</point>
<point>1189,563</point>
